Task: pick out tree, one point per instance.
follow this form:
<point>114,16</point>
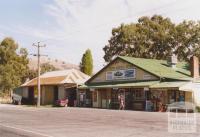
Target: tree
<point>154,37</point>
<point>46,67</point>
<point>86,65</point>
<point>13,65</point>
<point>32,74</point>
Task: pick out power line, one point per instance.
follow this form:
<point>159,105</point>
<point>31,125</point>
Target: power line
<point>38,80</point>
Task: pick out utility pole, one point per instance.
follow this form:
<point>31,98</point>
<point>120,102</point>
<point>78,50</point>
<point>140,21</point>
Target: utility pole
<point>38,65</point>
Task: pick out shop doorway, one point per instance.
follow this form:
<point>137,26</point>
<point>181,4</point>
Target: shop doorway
<point>103,97</point>
<point>118,96</point>
<point>139,99</point>
<point>31,99</point>
<point>71,96</point>
<point>128,100</point>
<point>55,93</point>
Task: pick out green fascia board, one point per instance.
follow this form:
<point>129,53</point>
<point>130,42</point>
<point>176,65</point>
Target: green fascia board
<point>119,85</point>
<point>160,68</point>
<point>150,84</point>
<point>196,80</point>
<point>168,84</point>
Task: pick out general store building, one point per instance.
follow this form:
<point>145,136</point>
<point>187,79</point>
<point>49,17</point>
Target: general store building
<point>144,83</point>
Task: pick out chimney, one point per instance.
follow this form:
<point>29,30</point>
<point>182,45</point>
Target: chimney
<point>194,67</point>
<point>172,61</point>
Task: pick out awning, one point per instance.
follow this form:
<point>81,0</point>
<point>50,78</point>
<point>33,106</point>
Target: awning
<point>175,84</point>
<point>119,85</point>
<point>189,87</point>
<point>150,84</point>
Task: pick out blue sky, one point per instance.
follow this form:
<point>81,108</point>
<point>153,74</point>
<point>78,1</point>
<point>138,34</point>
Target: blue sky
<point>69,27</point>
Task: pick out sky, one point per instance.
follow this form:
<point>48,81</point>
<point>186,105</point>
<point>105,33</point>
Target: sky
<point>69,27</point>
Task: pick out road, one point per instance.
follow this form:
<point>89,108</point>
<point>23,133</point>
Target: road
<point>21,121</point>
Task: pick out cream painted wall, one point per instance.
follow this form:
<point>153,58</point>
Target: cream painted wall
<point>120,65</point>
<point>49,95</point>
<point>188,96</point>
<point>43,95</point>
<point>61,92</point>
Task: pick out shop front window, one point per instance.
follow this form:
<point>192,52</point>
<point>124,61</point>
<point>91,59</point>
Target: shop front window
<point>114,99</point>
<point>95,96</point>
<point>139,95</point>
<point>172,97</point>
<point>176,96</point>
<point>157,99</point>
<point>181,96</point>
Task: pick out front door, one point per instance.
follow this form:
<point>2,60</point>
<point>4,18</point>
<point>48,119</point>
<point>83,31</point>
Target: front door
<point>138,99</point>
<point>103,99</point>
<point>55,93</point>
<point>129,100</point>
<point>71,96</point>
<point>31,96</point>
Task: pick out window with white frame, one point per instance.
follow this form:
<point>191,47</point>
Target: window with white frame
<point>109,75</point>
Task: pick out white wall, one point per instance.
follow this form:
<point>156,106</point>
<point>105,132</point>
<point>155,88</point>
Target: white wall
<point>61,92</point>
<point>196,88</point>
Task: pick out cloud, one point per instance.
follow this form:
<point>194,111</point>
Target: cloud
<point>72,26</point>
<point>2,35</point>
<point>88,23</point>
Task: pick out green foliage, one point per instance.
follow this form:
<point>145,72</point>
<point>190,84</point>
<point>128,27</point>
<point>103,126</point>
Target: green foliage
<point>86,65</point>
<point>13,65</point>
<point>46,67</point>
<point>198,109</point>
<point>154,37</point>
<point>32,74</point>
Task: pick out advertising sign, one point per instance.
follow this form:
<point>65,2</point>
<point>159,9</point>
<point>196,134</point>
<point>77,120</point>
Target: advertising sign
<point>121,74</point>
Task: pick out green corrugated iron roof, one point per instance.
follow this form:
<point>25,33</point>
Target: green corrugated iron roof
<point>160,68</point>
<point>150,84</point>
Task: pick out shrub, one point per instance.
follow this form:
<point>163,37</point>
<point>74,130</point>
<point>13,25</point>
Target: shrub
<point>198,109</point>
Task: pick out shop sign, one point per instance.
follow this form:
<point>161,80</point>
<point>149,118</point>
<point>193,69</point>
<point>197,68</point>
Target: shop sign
<point>120,74</point>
